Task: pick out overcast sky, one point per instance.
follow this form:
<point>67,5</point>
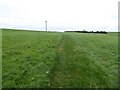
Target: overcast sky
<point>60,14</point>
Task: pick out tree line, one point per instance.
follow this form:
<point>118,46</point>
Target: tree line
<point>101,32</point>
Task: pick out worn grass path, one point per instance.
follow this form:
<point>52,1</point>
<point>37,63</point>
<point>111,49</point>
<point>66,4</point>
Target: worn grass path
<point>74,69</point>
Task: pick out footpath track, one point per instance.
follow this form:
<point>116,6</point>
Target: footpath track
<point>74,69</point>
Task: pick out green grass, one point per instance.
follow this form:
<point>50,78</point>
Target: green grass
<point>49,59</point>
<point>28,58</point>
<point>0,58</point>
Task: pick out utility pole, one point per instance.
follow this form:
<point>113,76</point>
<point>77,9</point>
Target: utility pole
<point>46,26</point>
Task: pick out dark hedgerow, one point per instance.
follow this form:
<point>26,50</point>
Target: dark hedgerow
<point>99,32</point>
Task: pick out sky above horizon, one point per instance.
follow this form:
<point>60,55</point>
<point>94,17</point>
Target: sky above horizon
<point>62,15</point>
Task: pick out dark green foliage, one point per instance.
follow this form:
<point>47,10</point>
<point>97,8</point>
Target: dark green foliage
<point>98,32</point>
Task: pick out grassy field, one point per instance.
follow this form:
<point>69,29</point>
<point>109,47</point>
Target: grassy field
<point>52,59</point>
<point>0,58</point>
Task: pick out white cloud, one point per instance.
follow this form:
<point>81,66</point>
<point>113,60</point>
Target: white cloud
<point>60,14</point>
